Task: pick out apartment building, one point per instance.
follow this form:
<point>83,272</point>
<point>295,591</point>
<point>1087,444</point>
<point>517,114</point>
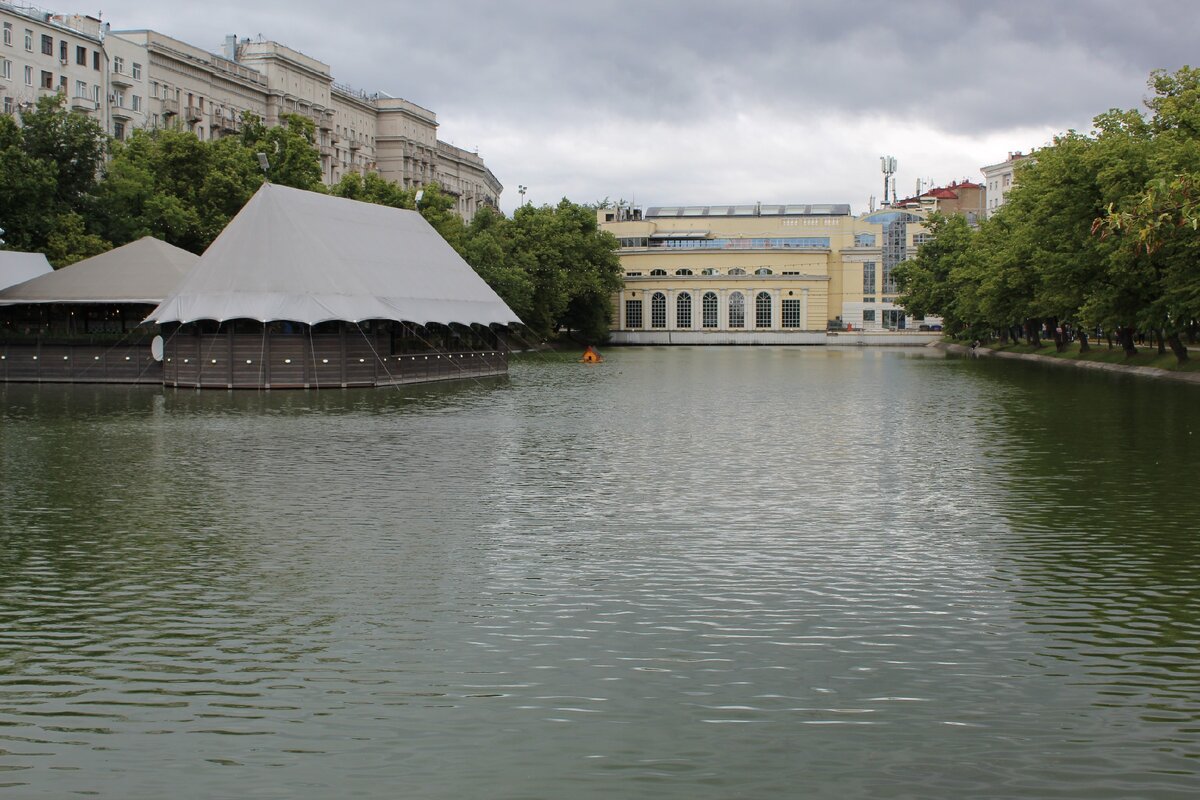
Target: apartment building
<point>130,79</point>
<point>44,54</point>
<point>999,179</point>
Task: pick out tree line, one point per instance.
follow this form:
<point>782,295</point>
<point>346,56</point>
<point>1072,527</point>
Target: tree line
<point>1099,235</point>
<point>71,192</point>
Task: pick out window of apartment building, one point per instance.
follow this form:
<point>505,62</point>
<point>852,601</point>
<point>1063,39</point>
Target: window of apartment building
<point>708,310</point>
<point>869,277</point>
<point>137,71</point>
<point>657,273</point>
<point>118,65</point>
<point>47,45</point>
<point>81,55</point>
<point>28,76</point>
<point>791,314</point>
<point>7,69</point>
<point>762,310</point>
<point>658,310</point>
<point>683,311</point>
<point>763,271</point>
<point>81,89</point>
<point>864,240</point>
<point>96,93</point>
<point>8,105</point>
<point>62,51</point>
<point>633,313</point>
<point>96,60</point>
<point>737,271</point>
<point>922,238</point>
<point>119,99</point>
<point>136,102</point>
<point>683,272</point>
<point>118,130</point>
<point>29,40</point>
<point>869,315</point>
<point>737,310</point>
<point>47,80</point>
<point>8,33</point>
<point>154,88</point>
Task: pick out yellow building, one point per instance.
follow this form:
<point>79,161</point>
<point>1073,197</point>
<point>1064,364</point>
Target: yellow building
<point>759,274</point>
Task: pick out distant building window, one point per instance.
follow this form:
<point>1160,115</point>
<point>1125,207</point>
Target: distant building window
<point>869,315</point>
<point>864,240</point>
<point>633,274</point>
<point>791,314</point>
<point>869,276</point>
<point>118,130</point>
<point>683,311</point>
<point>683,272</point>
<point>96,60</point>
<point>136,101</point>
<point>868,299</point>
<point>737,310</point>
<point>7,67</point>
<point>8,33</point>
<point>710,271</point>
<point>922,238</point>
<point>154,88</point>
<point>633,313</point>
<point>47,80</point>
<point>62,51</point>
<point>137,71</point>
<point>763,271</point>
<point>658,273</point>
<point>47,45</point>
<point>81,55</point>
<point>28,76</point>
<point>81,90</point>
<point>29,40</point>
<point>737,271</point>
<point>708,305</point>
<point>762,310</point>
<point>658,310</point>
<point>118,65</point>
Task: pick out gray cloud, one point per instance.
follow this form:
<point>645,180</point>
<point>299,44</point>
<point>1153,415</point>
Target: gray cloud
<point>539,69</point>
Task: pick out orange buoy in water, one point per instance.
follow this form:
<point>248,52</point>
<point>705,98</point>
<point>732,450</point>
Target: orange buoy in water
<point>590,356</point>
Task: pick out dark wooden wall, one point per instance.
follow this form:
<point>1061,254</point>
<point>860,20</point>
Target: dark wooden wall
<point>65,362</point>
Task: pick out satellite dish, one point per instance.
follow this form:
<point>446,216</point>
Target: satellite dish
<point>156,348</point>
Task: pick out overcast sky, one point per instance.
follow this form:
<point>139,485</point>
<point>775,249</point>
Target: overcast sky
<point>706,102</point>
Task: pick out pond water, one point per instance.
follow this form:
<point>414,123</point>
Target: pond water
<point>682,573</point>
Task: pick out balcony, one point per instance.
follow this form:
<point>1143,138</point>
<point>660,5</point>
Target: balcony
<point>83,104</point>
<point>170,108</point>
<point>193,114</point>
<point>354,144</point>
<point>326,151</point>
<point>120,81</point>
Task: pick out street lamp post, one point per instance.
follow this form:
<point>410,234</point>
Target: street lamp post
<point>521,191</point>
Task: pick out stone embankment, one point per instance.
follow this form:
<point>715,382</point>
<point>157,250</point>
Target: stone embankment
<point>1145,372</point>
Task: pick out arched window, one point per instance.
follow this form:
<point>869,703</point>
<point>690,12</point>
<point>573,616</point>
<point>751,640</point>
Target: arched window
<point>762,310</point>
<point>658,310</point>
<point>763,271</point>
<point>683,272</point>
<point>658,272</point>
<point>737,310</point>
<point>683,311</point>
<point>708,307</point>
<point>737,271</point>
<point>710,271</point>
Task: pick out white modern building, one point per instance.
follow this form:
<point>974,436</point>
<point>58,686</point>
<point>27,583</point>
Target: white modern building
<point>998,179</point>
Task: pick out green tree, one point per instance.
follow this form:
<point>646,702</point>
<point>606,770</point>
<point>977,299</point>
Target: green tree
<point>70,242</point>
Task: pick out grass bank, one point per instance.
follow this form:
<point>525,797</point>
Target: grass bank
<point>1146,356</point>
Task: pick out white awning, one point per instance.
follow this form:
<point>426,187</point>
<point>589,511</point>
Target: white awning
<point>308,257</point>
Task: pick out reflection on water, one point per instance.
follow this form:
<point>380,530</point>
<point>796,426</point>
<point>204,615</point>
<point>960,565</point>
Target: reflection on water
<point>692,573</point>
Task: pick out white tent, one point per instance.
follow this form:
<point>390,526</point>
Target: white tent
<point>144,271</point>
<point>19,267</point>
<point>308,257</point>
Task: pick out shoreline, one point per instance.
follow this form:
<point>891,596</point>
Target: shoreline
<point>1145,372</point>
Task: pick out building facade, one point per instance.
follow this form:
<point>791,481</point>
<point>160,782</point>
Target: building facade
<point>999,179</point>
<point>759,273</point>
<point>131,79</point>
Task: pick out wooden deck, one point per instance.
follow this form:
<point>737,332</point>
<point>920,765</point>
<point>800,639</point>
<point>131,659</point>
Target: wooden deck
<point>346,359</point>
<point>67,362</point>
